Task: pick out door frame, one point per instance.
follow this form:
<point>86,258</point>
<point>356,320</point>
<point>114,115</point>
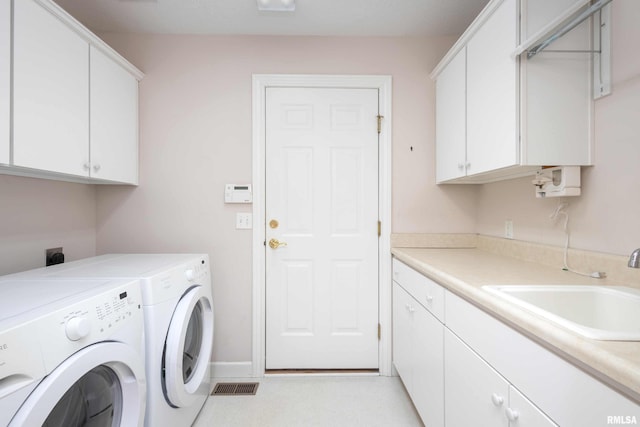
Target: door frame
<point>260,83</point>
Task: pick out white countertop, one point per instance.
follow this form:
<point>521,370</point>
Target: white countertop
<point>465,271</point>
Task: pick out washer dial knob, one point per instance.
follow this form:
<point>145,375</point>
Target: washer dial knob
<point>77,328</point>
<point>190,274</point>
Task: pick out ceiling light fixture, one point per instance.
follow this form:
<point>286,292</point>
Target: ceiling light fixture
<point>276,5</point>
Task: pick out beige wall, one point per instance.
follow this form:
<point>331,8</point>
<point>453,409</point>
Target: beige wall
<point>36,214</point>
<point>606,218</point>
<point>195,136</point>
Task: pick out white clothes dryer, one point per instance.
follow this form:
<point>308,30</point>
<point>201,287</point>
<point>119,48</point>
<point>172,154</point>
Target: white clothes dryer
<point>71,353</point>
<point>179,321</point>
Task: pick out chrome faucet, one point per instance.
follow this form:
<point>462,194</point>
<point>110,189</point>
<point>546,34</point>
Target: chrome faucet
<point>634,259</point>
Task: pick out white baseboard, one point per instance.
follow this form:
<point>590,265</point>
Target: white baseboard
<point>231,369</point>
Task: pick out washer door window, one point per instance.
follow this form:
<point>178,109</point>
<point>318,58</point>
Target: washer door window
<point>188,348</point>
<point>101,385</point>
<point>95,400</point>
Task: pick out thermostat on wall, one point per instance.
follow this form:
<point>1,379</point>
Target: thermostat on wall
<point>238,193</point>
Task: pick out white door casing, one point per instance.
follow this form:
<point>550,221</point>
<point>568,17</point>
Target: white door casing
<point>260,85</point>
<point>322,200</point>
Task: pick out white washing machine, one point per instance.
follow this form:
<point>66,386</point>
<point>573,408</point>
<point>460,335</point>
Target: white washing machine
<point>178,312</point>
<point>71,353</point>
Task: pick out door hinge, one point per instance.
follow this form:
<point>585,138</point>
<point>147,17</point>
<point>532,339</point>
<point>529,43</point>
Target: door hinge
<point>379,228</point>
<point>380,122</point>
<point>379,331</point>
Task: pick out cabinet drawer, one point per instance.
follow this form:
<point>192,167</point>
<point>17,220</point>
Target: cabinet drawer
<point>427,292</point>
<point>550,382</point>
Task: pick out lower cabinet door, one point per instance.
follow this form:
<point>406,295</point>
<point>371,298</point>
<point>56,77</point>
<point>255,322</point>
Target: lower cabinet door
<point>402,330</point>
<point>522,413</point>
<point>475,394</point>
<point>428,372</point>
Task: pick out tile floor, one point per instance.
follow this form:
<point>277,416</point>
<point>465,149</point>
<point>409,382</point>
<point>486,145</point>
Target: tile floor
<point>313,401</point>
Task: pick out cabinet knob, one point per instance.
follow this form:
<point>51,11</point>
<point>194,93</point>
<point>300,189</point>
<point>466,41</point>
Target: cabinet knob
<point>461,166</point>
<point>96,168</point>
<point>512,414</point>
<point>467,166</point>
<point>429,298</point>
<point>497,399</point>
<point>86,166</point>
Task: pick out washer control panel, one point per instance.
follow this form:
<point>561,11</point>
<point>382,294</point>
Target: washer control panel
<point>114,310</point>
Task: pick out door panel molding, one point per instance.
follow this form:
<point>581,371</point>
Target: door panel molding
<point>260,83</point>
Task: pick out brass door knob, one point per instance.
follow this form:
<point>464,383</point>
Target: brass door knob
<point>275,243</point>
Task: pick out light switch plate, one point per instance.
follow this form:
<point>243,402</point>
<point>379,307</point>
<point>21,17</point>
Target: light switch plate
<point>244,221</point>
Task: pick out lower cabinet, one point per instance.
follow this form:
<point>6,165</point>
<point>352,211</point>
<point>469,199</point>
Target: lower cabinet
<point>463,367</point>
<point>475,394</point>
<point>417,354</point>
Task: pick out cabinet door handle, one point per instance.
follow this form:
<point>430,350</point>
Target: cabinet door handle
<point>497,399</point>
<point>429,298</point>
<point>512,414</point>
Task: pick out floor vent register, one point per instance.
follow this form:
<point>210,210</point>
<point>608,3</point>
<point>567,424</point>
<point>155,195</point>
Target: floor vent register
<point>235,389</point>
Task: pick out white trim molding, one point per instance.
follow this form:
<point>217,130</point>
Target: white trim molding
<point>384,85</point>
<point>231,370</point>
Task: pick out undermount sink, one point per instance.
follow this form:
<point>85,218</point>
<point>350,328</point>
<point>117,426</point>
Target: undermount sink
<point>607,313</point>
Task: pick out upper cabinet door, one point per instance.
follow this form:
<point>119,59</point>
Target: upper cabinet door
<point>451,121</point>
<point>114,120</point>
<point>5,80</point>
<point>51,93</point>
<point>492,84</point>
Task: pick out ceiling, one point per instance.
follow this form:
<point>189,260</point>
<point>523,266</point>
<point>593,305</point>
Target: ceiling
<point>311,17</point>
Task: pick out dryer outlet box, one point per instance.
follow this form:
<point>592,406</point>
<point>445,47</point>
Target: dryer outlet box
<point>53,256</point>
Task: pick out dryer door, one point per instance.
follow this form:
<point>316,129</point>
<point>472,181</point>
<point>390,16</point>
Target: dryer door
<point>101,385</point>
<point>187,348</point>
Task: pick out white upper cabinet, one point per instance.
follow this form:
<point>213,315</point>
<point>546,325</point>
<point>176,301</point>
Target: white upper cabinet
<point>492,93</point>
<point>516,114</point>
<point>50,92</point>
<point>114,120</point>
<point>451,111</point>
<point>5,81</point>
<point>75,101</point>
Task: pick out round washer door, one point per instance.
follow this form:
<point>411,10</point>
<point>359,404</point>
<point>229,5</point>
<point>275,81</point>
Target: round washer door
<point>102,385</point>
<point>188,347</point>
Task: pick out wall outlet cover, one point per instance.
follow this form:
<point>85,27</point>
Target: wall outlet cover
<point>508,229</point>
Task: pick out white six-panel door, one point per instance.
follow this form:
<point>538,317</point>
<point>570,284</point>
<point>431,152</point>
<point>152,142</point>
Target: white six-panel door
<point>322,207</point>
